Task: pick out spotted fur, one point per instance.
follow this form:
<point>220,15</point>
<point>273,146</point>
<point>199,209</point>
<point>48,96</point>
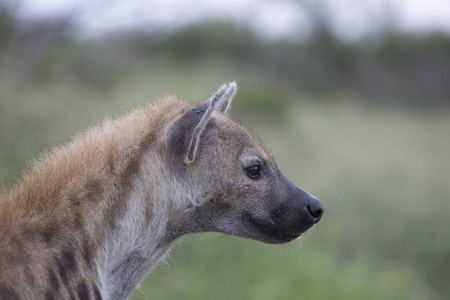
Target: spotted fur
<point>90,219</point>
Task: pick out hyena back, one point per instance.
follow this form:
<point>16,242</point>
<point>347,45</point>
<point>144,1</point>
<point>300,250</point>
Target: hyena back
<point>90,219</point>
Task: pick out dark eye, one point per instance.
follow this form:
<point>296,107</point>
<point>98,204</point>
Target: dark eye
<point>254,171</point>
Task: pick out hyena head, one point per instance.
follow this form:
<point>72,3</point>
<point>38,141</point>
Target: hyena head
<point>233,183</point>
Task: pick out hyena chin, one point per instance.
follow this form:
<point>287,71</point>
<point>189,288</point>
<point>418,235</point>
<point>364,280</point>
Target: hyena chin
<point>90,219</point>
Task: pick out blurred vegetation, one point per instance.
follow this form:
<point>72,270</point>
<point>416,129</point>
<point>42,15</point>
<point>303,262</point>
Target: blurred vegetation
<point>364,126</point>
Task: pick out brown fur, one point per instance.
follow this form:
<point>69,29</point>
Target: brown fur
<point>60,203</point>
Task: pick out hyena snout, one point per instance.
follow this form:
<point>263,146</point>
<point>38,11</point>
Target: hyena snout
<point>308,208</point>
<point>292,213</point>
<point>299,212</point>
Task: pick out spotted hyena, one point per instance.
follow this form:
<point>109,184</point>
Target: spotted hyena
<point>89,219</point>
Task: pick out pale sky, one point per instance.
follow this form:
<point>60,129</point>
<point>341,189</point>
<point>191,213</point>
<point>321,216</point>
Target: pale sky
<point>268,18</point>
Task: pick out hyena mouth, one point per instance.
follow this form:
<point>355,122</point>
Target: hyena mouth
<point>270,232</point>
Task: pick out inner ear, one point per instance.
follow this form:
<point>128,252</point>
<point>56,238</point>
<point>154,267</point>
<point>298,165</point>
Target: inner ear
<point>198,130</point>
<point>185,130</point>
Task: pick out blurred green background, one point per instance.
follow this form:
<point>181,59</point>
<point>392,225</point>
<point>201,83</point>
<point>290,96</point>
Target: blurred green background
<point>362,123</point>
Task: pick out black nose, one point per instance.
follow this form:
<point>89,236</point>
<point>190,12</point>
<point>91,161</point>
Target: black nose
<point>315,208</point>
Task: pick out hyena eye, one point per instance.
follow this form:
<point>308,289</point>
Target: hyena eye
<point>254,171</point>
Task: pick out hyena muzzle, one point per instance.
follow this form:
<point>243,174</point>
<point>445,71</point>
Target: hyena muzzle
<point>91,218</point>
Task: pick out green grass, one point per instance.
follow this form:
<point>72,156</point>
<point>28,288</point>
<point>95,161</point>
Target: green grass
<point>383,176</point>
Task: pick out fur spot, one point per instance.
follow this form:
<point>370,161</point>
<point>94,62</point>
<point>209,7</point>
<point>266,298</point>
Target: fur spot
<point>87,252</point>
<point>113,212</point>
<point>7,293</point>
<point>69,261</point>
<point>54,283</point>
<point>82,290</point>
<point>48,233</point>
<point>93,189</point>
<point>62,272</point>
<point>148,211</point>
<point>97,294</point>
<point>67,265</point>
<point>49,295</point>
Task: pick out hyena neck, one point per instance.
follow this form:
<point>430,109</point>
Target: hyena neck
<point>139,241</point>
<point>130,251</point>
<point>142,235</point>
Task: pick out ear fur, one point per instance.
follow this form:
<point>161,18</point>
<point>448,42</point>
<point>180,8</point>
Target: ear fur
<point>186,133</point>
<point>223,104</point>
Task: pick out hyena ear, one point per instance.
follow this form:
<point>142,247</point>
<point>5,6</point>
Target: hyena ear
<point>186,132</point>
<point>204,117</point>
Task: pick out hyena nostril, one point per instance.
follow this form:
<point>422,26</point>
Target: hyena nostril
<point>315,208</point>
